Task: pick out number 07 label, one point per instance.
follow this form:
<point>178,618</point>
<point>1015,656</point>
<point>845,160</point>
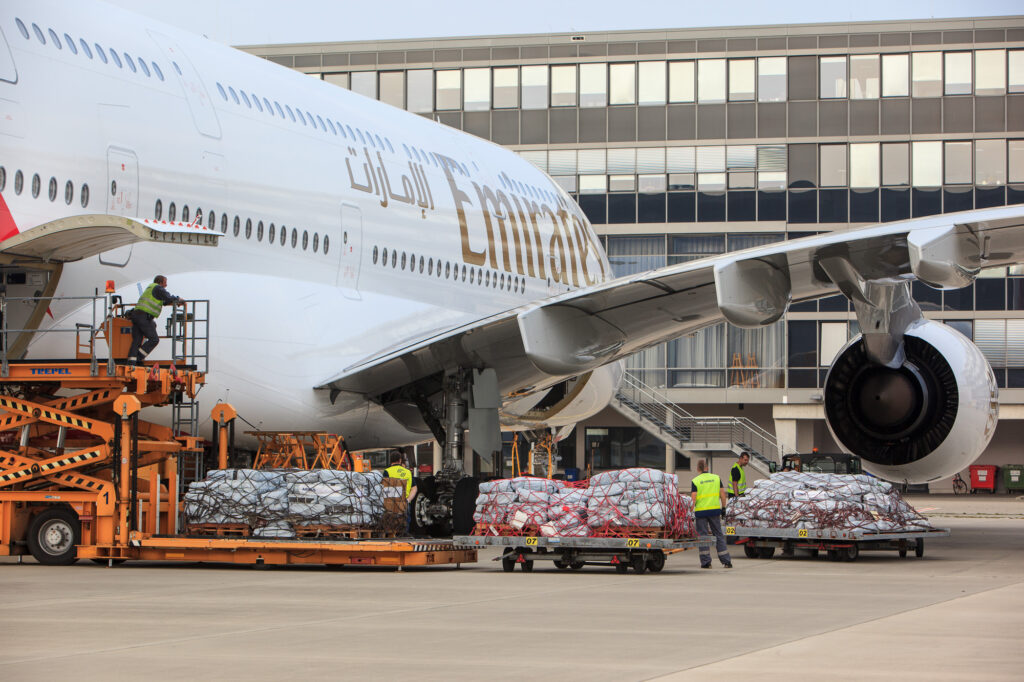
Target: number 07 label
<point>632,542</point>
<point>531,541</point>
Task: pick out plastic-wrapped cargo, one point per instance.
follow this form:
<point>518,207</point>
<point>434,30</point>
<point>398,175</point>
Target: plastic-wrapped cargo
<point>795,499</point>
<point>277,503</point>
<point>617,503</point>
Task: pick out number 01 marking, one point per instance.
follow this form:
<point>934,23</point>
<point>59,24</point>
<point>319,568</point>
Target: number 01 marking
<point>531,541</point>
<point>802,533</point>
<point>730,530</point>
<point>632,542</point>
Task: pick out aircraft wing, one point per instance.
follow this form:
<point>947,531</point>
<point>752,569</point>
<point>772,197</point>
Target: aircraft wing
<point>566,335</point>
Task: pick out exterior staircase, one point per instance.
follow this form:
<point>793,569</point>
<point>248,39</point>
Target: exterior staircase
<point>659,416</point>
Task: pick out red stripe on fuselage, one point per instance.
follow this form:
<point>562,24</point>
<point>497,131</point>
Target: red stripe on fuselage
<point>7,226</point>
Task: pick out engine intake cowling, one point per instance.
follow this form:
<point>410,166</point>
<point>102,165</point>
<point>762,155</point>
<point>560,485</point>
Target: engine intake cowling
<point>923,421</point>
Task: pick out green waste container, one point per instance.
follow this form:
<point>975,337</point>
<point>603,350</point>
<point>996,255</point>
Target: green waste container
<point>1013,477</point>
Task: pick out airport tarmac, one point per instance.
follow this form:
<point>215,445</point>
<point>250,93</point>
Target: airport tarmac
<point>956,614</point>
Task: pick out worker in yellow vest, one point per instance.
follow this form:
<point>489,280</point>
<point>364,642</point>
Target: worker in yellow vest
<point>709,501</point>
<point>738,476</point>
<point>398,470</point>
<point>143,318</point>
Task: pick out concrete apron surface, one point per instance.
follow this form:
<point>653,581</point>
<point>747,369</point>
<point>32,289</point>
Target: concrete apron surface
<point>956,614</point>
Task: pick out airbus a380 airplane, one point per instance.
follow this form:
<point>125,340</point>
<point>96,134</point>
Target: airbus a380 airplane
<point>382,276</point>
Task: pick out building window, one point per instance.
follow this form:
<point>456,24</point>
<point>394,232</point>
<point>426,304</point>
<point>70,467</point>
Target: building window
<point>563,86</point>
<point>771,79</point>
<point>339,79</point>
<point>681,81</point>
<point>741,80</point>
<point>364,83</point>
<point>448,92</point>
<point>506,88</point>
<point>419,90</point>
<point>958,73</point>
<point>896,164</point>
<point>591,161</point>
<point>832,72</point>
<point>593,85</point>
<point>1015,161</point>
<point>833,165</point>
<point>864,76</point>
<point>630,255</point>
<point>710,80</point>
<point>990,72</point>
<point>534,87</point>
<point>927,74</point>
<point>1016,71</point>
<point>958,163</point>
<point>623,84</point>
<point>864,165</point>
<point>927,164</point>
<point>392,88</point>
<point>895,75</point>
<point>652,83</point>
<point>990,162</point>
<point>476,89</point>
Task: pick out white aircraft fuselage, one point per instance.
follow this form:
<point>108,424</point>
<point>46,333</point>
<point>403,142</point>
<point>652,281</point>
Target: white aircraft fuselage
<point>349,225</point>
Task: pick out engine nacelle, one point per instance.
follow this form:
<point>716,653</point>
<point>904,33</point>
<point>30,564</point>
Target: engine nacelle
<point>924,421</point>
<point>580,398</point>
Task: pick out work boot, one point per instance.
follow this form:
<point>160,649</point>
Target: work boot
<point>729,565</point>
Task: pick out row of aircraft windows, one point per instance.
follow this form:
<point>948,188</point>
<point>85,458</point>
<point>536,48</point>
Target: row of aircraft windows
<point>52,187</point>
<point>87,51</point>
<point>282,235</point>
<point>478,276</point>
<point>651,83</point>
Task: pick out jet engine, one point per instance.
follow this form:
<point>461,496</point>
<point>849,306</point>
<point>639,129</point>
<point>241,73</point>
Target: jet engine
<point>922,421</point>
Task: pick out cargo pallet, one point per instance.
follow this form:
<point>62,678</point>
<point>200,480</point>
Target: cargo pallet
<point>640,554</point>
<point>840,544</point>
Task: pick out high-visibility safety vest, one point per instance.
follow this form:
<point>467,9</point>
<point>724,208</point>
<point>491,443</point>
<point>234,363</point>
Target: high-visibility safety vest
<point>399,471</point>
<point>741,485</point>
<point>148,303</point>
<point>708,495</point>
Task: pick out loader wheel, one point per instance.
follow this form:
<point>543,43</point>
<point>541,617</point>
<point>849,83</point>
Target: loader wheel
<point>639,563</point>
<point>53,537</point>
<point>508,562</point>
<point>656,562</point>
<point>751,551</point>
<point>766,552</point>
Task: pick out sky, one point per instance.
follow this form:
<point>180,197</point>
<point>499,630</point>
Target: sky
<point>256,22</point>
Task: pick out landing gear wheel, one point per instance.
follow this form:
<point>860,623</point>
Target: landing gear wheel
<point>751,551</point>
<point>53,537</point>
<point>656,562</point>
<point>426,492</point>
<point>639,563</point>
<point>576,565</point>
<point>851,553</point>
<point>621,568</point>
<point>919,548</point>
<point>766,552</point>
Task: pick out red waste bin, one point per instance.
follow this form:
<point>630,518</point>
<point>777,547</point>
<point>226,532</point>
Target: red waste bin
<point>983,477</point>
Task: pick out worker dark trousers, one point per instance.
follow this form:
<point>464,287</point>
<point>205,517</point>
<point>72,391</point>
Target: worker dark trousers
<point>143,327</point>
<point>712,525</point>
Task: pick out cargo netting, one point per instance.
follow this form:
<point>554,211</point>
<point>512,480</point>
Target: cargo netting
<point>624,503</point>
<point>284,503</point>
<point>824,501</point>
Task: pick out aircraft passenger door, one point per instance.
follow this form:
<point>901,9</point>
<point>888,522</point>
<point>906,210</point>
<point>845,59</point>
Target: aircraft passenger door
<point>8,72</point>
<point>122,192</point>
<point>203,114</point>
<point>351,251</point>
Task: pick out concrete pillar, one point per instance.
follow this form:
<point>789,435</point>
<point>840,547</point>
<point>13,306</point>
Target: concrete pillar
<point>438,454</point>
<point>670,459</point>
<point>786,433</point>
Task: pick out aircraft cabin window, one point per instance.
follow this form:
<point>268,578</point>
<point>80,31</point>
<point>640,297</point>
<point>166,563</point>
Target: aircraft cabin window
<point>145,69</point>
<point>320,120</point>
<point>245,98</point>
<point>284,235</point>
<point>224,223</point>
<point>430,266</point>
<point>115,59</point>
<point>101,53</point>
<point>172,212</point>
<point>375,254</point>
<point>51,190</point>
<point>176,67</point>
<point>84,195</point>
<point>39,33</point>
<point>271,233</point>
<point>472,272</point>
<point>447,270</point>
<point>305,244</point>
<point>394,259</point>
<point>259,231</point>
<point>330,124</point>
<point>199,216</point>
<point>248,227</point>
<point>184,213</point>
<point>384,260</point>
<point>234,95</point>
<point>277,105</point>
<point>130,62</point>
<point>223,94</point>
<point>236,225</point>
<point>158,210</point>
<point>3,178</point>
<point>403,260</point>
<point>71,43</point>
<point>19,182</point>
<point>295,239</point>
<point>21,28</point>
<point>266,105</point>
<point>37,184</point>
<point>211,220</point>
<point>316,241</point>
<point>256,101</point>
<point>55,39</point>
<point>302,117</point>
<point>421,265</point>
<point>157,71</point>
<point>326,244</point>
<point>85,47</point>
<point>291,114</point>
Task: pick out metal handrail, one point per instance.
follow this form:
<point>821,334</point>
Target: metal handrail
<point>99,322</point>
